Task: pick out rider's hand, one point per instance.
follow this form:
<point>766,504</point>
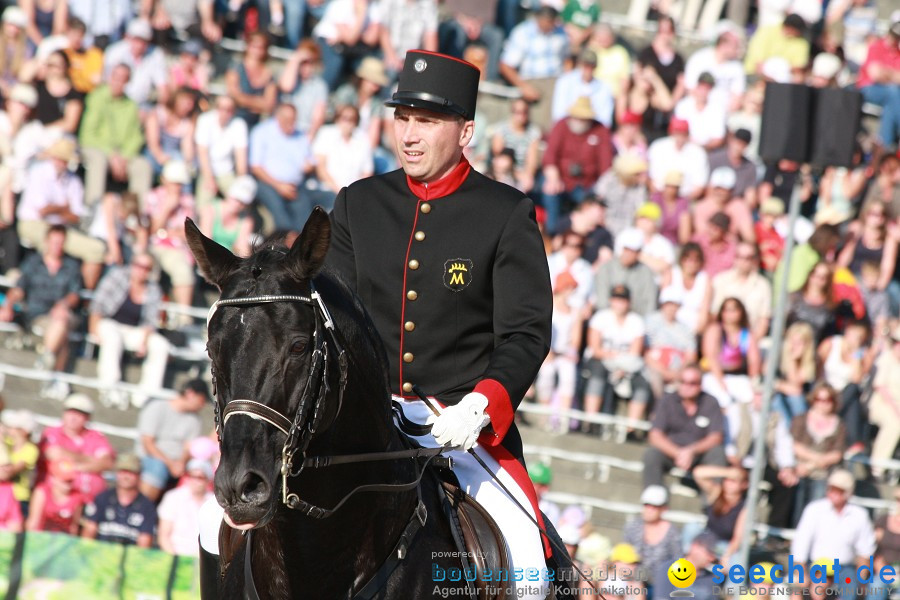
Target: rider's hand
<point>458,426</point>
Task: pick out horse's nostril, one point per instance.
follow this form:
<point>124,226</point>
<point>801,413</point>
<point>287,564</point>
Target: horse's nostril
<point>253,488</point>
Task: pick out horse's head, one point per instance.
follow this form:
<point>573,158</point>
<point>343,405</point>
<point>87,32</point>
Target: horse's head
<point>268,340</point>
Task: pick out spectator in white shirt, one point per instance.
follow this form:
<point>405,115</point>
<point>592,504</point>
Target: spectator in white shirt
<point>222,141</point>
<point>342,151</point>
<point>833,528</point>
<point>677,153</point>
<point>705,116</point>
<point>615,348</point>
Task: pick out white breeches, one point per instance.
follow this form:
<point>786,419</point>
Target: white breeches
<point>523,542</point>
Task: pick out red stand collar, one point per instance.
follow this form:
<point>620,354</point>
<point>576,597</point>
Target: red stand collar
<point>442,187</point>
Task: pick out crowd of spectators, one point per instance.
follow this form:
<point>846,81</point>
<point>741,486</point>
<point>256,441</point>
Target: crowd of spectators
<point>72,481</point>
<point>665,230</point>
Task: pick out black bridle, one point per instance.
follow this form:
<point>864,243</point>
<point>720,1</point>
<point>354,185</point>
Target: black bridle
<point>299,431</point>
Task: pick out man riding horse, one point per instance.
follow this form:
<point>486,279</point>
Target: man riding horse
<point>452,269</point>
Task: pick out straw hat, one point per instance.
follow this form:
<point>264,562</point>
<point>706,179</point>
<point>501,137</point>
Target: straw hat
<point>629,164</point>
<point>63,149</point>
<point>372,69</point>
<point>582,109</point>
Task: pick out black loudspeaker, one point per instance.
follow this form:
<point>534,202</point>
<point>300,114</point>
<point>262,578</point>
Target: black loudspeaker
<point>785,131</point>
<point>809,125</point>
<point>835,123</point>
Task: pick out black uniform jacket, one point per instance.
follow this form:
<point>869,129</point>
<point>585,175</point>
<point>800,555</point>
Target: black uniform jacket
<point>455,278</point>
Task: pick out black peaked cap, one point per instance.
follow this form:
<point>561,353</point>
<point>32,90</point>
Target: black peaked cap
<point>437,82</point>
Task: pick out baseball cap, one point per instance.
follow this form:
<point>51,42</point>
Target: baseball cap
<point>624,553</point>
<point>620,291</point>
<point>564,282</point>
<point>18,419</point>
<point>243,188</point>
<point>15,16</point>
<point>140,28</point>
<point>649,210</point>
<point>631,118</point>
<point>723,177</point>
<point>826,65</point>
<point>631,239</point>
<point>772,206</point>
<point>197,465</point>
<point>540,473</point>
<point>128,462</point>
<point>655,495</point>
<point>842,479</point>
<point>677,125</point>
<point>79,402</point>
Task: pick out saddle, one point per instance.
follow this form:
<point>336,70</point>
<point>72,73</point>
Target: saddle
<point>480,544</point>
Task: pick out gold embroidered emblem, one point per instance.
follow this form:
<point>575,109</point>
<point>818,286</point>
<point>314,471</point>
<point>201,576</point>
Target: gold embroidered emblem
<point>458,274</point>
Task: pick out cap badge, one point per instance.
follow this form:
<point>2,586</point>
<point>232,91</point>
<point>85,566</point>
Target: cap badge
<point>420,65</point>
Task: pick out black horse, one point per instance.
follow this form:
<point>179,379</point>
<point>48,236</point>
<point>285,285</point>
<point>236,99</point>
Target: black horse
<point>299,372</point>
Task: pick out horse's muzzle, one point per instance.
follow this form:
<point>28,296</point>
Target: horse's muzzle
<point>246,495</point>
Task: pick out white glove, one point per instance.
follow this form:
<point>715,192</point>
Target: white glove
<point>458,426</point>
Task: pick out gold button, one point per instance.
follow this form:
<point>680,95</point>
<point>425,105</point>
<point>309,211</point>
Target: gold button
<point>409,326</point>
<point>411,295</point>
<point>408,357</point>
<point>407,387</point>
<point>413,264</point>
<point>425,208</point>
<point>420,236</point>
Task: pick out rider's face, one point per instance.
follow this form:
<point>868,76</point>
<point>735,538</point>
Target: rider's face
<point>429,143</point>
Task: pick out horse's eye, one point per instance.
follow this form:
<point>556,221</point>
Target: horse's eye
<point>298,347</point>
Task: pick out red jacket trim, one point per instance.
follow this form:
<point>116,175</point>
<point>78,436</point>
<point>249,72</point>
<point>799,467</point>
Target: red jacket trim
<point>500,410</point>
<point>515,469</point>
<point>444,186</point>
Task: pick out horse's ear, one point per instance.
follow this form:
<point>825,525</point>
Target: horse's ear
<point>214,260</point>
<point>307,255</point>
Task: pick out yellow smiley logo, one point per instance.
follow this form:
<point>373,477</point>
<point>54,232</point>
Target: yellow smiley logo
<point>682,573</point>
